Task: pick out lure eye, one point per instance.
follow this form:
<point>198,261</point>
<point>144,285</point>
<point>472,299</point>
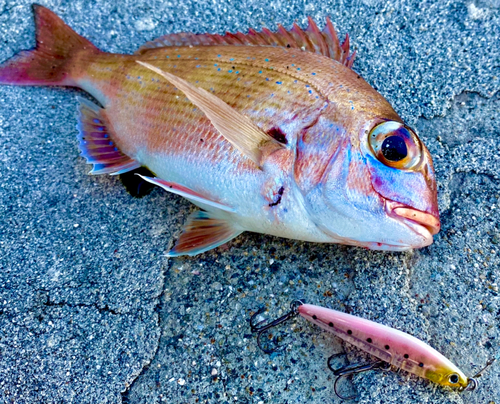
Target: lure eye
<point>395,145</point>
<point>454,378</point>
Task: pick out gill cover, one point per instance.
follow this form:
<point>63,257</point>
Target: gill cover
<point>343,204</point>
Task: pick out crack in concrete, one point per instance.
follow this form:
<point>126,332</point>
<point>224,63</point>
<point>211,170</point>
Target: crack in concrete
<point>128,386</point>
<point>101,309</point>
<point>158,309</point>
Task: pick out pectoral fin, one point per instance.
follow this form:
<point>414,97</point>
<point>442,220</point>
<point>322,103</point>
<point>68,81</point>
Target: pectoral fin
<point>237,128</point>
<point>185,192</point>
<point>202,232</point>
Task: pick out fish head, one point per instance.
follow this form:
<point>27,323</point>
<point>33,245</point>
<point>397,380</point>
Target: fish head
<point>402,173</point>
<point>378,188</point>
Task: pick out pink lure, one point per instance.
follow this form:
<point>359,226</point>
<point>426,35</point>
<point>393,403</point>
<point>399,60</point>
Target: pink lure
<point>392,346</point>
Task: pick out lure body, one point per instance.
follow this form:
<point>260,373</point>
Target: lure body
<point>392,346</point>
<point>320,167</point>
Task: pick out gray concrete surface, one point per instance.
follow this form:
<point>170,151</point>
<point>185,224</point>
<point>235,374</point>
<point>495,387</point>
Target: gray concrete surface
<point>91,310</point>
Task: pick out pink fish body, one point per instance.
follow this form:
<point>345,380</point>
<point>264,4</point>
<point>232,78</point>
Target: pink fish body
<point>266,132</point>
<point>388,344</point>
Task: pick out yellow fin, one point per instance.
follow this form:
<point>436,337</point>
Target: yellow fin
<point>236,128</point>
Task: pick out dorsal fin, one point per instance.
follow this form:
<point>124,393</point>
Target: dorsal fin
<point>311,39</point>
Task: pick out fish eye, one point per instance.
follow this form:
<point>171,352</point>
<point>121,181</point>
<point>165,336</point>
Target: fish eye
<point>394,148</point>
<point>395,145</point>
<point>454,378</point>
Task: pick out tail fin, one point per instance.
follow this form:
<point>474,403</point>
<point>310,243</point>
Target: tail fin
<point>49,63</point>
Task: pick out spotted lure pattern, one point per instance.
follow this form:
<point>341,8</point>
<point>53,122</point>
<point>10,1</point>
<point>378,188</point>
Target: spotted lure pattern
<point>392,346</point>
<point>270,132</point>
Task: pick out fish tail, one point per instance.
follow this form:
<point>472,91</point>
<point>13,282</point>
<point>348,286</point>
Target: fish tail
<point>52,61</point>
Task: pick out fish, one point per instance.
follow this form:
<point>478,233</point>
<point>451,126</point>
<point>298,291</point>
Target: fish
<point>267,132</point>
<point>391,346</point>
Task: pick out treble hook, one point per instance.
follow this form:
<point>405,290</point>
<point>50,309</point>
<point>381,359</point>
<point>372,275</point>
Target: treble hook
<point>350,370</point>
<point>260,329</point>
<point>473,383</point>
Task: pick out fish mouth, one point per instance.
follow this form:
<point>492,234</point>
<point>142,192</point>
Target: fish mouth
<point>422,223</point>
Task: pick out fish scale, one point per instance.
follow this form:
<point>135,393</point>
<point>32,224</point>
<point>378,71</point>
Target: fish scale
<point>270,132</point>
<point>149,100</point>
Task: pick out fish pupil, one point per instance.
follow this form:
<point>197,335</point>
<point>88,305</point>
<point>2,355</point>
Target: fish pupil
<point>394,148</point>
<point>454,379</point>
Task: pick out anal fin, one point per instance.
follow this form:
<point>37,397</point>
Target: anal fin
<point>202,232</point>
<point>96,142</point>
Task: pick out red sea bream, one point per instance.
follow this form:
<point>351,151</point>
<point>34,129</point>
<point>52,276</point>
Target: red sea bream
<point>270,132</point>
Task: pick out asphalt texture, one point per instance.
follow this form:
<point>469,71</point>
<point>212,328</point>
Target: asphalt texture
<point>91,309</point>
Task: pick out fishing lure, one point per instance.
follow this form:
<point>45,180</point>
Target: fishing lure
<point>392,347</point>
<point>270,132</point>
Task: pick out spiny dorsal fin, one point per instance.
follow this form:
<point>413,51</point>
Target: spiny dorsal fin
<point>236,128</point>
<point>311,39</point>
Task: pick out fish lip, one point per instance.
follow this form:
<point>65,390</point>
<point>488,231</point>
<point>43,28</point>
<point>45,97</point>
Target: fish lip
<point>422,223</point>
